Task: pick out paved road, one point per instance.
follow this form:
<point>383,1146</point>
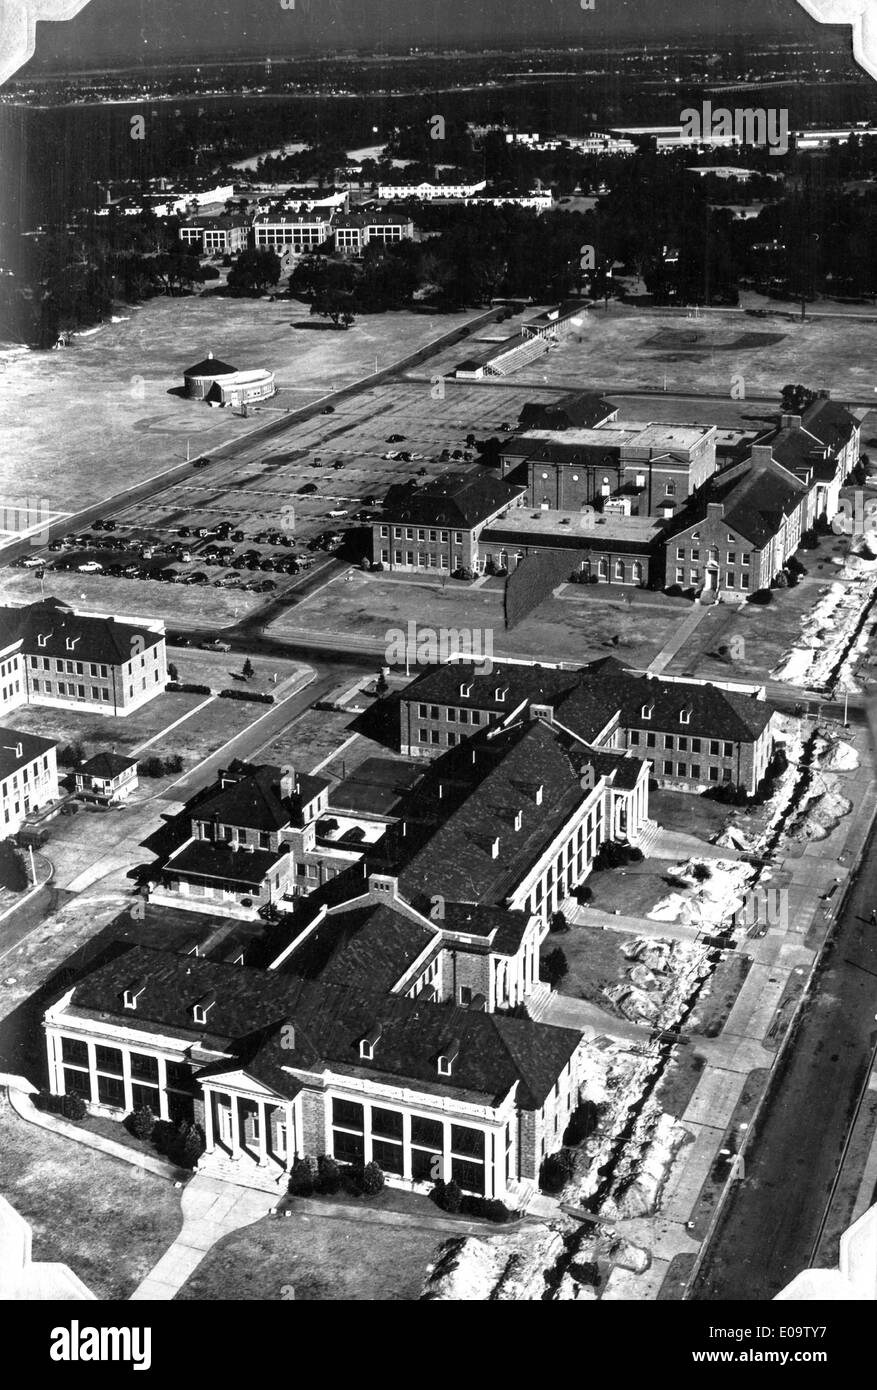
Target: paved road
<point>769,1225</point>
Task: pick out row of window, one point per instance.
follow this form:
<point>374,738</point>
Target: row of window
<point>693,770</point>
<point>421,534</point>
<point>71,668</point>
<point>712,556</point>
<point>718,748</point>
<point>468,1145</point>
<point>694,577</point>
<point>71,690</point>
<point>455,716</point>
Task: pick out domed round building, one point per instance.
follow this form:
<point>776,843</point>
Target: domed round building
<point>219,384</point>
<point>199,379</point>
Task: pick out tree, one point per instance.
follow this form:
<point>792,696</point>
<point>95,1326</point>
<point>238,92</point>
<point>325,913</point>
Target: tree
<point>247,669</point>
<point>173,671</point>
<point>328,1175</point>
<point>553,967</point>
<point>336,305</point>
<point>556,1171</point>
<point>254,271</point>
<point>795,399</point>
<point>176,272</point>
<point>301,1178</point>
<point>558,922</point>
<point>383,684</point>
<point>13,874</point>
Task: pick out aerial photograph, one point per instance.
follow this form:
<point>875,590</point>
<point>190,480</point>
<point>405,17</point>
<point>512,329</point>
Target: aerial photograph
<point>438,666</point>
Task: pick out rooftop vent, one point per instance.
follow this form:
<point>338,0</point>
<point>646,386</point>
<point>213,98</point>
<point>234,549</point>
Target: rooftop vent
<point>448,1057</point>
<point>369,1042</point>
<point>132,994</point>
<point>201,1009</point>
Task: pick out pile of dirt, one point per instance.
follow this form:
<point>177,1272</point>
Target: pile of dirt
<point>506,1269</point>
<point>645,1166</point>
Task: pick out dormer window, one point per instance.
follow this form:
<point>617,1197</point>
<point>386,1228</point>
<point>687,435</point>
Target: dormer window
<point>202,1008</point>
<point>132,994</point>
<point>519,817</point>
<point>448,1057</point>
<point>501,692</point>
<point>685,715</point>
<point>368,1044</point>
<point>465,690</point>
<point>42,639</point>
<point>647,711</point>
<point>71,643</point>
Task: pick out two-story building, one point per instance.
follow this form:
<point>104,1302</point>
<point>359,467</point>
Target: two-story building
<point>250,840</point>
<point>354,231</point>
<point>821,447</point>
<point>52,655</point>
<point>738,536</point>
<point>298,232</point>
<point>438,526</point>
<point>106,778</point>
<point>224,234</point>
<point>28,777</point>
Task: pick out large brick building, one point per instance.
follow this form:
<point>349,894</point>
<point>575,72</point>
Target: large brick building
<point>438,526</point>
<point>693,733</point>
<point>54,656</point>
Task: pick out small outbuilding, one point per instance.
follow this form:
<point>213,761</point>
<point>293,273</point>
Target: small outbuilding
<point>199,379</point>
<point>107,778</point>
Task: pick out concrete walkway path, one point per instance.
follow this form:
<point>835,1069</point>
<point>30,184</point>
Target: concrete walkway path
<point>212,1209</point>
<point>680,636</point>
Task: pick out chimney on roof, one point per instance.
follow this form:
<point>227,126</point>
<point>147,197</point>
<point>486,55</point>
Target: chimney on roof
<point>791,422</point>
<point>287,783</point>
<point>715,511</point>
<point>494,847</point>
<point>761,454</point>
<point>824,394</point>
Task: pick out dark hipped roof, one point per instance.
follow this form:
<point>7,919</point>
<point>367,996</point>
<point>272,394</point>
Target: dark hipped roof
<point>495,1054</point>
<point>106,765</point>
<point>31,745</point>
<point>96,639</point>
<point>454,499</point>
<point>442,685</point>
<point>579,410</point>
<point>252,798</point>
<point>218,860</point>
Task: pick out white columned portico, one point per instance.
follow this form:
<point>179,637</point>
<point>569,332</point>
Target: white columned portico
<point>235,1126</point>
<point>262,1122</point>
<point>209,1143</point>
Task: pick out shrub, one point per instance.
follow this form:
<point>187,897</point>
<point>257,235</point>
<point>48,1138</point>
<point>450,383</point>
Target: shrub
<point>13,874</point>
<point>141,1123</point>
<point>372,1179</point>
<point>558,922</point>
<point>553,967</point>
<point>247,695</point>
<point>173,671</point>
<point>761,596</point>
<point>163,1136</point>
<point>485,1208</point>
<point>701,872</point>
<point>328,1175</point>
<point>189,1144</point>
<point>71,754</point>
<point>187,688</point>
<point>301,1179</point>
<point>781,581</point>
<point>674,591</point>
<point>73,1107</point>
<point>556,1171</point>
<point>248,669</point>
<point>447,1195</point>
<point>583,894</point>
<point>614,856</point>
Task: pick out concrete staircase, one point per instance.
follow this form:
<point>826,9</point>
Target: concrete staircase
<point>245,1171</point>
<point>646,836</point>
<point>537,1000</point>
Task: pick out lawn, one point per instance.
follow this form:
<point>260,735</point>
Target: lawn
<point>108,1221</point>
<point>688,814</point>
<point>633,347</point>
<point>116,383</point>
<point>679,1082</point>
<point>632,891</point>
<point>595,962</point>
<point>317,1258</point>
<point>568,628</point>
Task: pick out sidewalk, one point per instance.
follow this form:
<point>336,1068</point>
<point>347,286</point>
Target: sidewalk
<point>680,636</point>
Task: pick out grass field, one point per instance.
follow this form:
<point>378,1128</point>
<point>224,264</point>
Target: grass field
<point>595,962</point>
<point>88,420</point>
<point>108,1221</point>
<point>634,347</point>
<point>576,627</point>
<point>317,1259</point>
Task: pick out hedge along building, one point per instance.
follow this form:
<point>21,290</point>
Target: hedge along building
<point>275,1066</point>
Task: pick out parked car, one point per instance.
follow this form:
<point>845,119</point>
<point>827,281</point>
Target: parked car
<point>216,645</point>
<point>395,438</point>
<point>90,567</point>
<point>328,410</point>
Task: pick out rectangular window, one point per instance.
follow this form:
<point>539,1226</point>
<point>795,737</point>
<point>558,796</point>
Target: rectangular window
<point>469,1176</point>
<point>348,1114</point>
<point>682,744</point>
<point>143,1067</point>
<point>668,740</point>
<point>728,750</point>
<point>108,1059</point>
<point>74,1051</point>
<point>668,769</point>
<point>468,1142</point>
<point>111,1090</point>
<point>387,1123</point>
<point>695,745</point>
<point>77,1083</point>
<point>348,1148</point>
<point>681,769</point>
<point>389,1157</point>
<point>714,747</point>
<point>144,1097</point>
<point>634,738</point>
<point>695,769</point>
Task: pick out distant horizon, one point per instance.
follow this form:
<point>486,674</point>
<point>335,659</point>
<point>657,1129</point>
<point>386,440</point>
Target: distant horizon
<point>148,33</point>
